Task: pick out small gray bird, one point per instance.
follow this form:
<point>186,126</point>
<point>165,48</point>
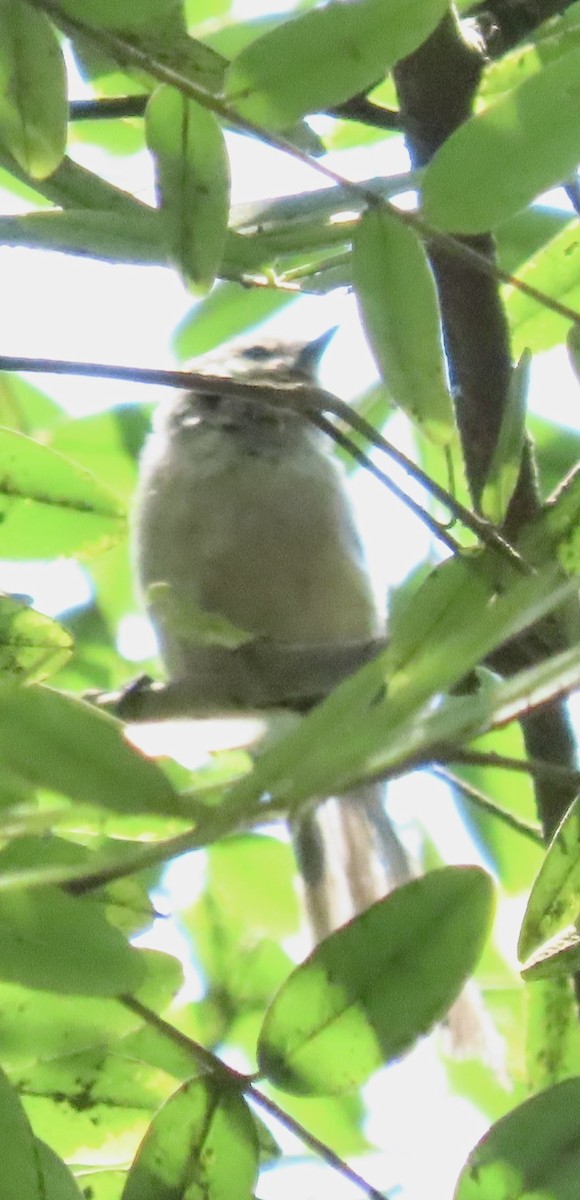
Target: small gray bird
<point>242,516</point>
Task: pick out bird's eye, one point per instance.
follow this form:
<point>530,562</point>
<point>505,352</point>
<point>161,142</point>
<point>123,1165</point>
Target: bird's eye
<point>257,353</point>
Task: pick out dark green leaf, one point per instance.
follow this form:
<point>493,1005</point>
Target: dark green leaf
<point>202,1143</point>
<point>192,181</point>
<point>21,1171</point>
<point>61,743</point>
<point>61,943</point>
<point>498,161</point>
<point>368,992</point>
<point>33,99</point>
<point>122,15</point>
<point>396,293</point>
<point>532,1152</point>
<point>58,1182</point>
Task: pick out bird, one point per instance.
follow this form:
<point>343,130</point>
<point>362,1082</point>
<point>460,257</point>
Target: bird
<point>243,524</point>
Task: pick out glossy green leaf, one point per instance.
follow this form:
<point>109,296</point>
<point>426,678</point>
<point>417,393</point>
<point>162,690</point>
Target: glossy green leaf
<point>32,646</point>
<point>368,992</point>
<point>555,897</point>
<point>398,301</point>
<point>554,270</point>
<point>33,95</point>
<point>323,57</point>
<point>21,1172</point>
<point>50,506</point>
<point>59,742</point>
<point>37,932</point>
<point>498,161</point>
<point>192,181</point>
<point>533,1152</point>
<point>202,1143</point>
<point>505,465</point>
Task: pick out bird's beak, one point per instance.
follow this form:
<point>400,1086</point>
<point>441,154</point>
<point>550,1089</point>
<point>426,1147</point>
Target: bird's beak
<point>311,353</point>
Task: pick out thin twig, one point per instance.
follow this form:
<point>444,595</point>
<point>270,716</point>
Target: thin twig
<point>537,767</point>
<point>216,1067</point>
<point>487,805</point>
<point>363,459</point>
<point>310,403</point>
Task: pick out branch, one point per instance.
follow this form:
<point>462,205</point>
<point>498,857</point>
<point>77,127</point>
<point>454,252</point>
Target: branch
<point>436,86</point>
<point>210,1062</point>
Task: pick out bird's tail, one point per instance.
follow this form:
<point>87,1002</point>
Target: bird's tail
<point>349,856</point>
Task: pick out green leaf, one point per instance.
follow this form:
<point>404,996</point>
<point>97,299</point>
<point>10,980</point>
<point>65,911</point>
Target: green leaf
<point>37,931</point>
<point>253,878</point>
<point>21,1172</point>
<point>58,1182</point>
<point>202,1143</point>
<point>381,715</point>
<point>498,161</point>
<point>229,310</point>
<point>532,1152</point>
<point>555,270</point>
<point>32,646</point>
<point>523,236</point>
<point>323,57</point>
<point>192,181</point>
<point>107,444</point>
<point>552,1033</point>
<point>122,15</point>
<point>368,992</point>
<point>505,465</point>
<point>396,293</point>
<point>38,1027</point>
<point>59,742</point>
<point>555,897</point>
<point>33,95</point>
<point>555,532</point>
<point>176,613</point>
<point>50,506</point>
<point>138,236</point>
